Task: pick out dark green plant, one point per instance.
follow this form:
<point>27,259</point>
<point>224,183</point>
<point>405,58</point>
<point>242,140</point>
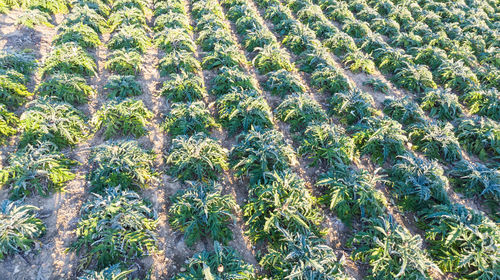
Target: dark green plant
<point>116,226</point>
<point>184,88</point>
<point>123,86</point>
<point>130,38</point>
<point>383,139</point>
<point>484,103</point>
<point>327,143</point>
<point>352,193</point>
<point>441,104</point>
<point>69,58</point>
<point>299,111</point>
<point>462,241</point>
<point>224,56</point>
<point>88,16</point>
<point>80,34</point>
<point>23,62</point>
<point>283,82</point>
<point>357,29</point>
<point>66,87</point>
<point>259,151</point>
<point>242,110</point>
<point>282,203</point>
<point>201,210</point>
<point>330,80</point>
<point>457,76</point>
<point>120,164</point>
<point>124,62</point>
<point>392,251</point>
<point>171,19</point>
<point>39,168</point>
<point>221,263</point>
<point>476,179</point>
<point>54,121</point>
<point>271,58</point>
<point>12,93</point>
<point>176,62</point>
<point>188,119</point>
<point>126,117</point>
<point>196,157</point>
<point>228,79</point>
<point>175,39</point>
<point>416,78</point>
<point>127,16</point>
<point>109,273</point>
<point>19,227</point>
<point>404,110</point>
<point>377,85</point>
<point>352,106</point>
<point>302,256</point>
<point>480,136</point>
<point>436,140</point>
<point>418,182</point>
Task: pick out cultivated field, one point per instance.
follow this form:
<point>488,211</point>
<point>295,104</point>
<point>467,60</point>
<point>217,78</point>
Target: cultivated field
<point>249,139</point>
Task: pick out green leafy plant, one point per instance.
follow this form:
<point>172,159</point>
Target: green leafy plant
<point>299,39</point>
<point>352,106</point>
<point>196,157</point>
<point>171,19</point>
<point>271,58</point>
<point>303,256</point>
<point>377,85</point>
<point>115,226</point>
<point>80,34</point>
<point>184,88</point>
<point>129,37</point>
<point>480,136</point>
<point>33,18</point>
<point>392,251</point>
<point>441,104</point>
<point>476,179</point>
<point>358,61</point>
<point>23,62</point>
<point>174,39</point>
<point>352,193</point>
<point>221,263</point>
<point>416,78</point>
<point>258,38</point>
<point>418,182</point>
<point>357,29</point>
<point>218,35</point>
<point>83,14</point>
<point>126,117</point>
<point>224,56</point>
<point>283,202</point>
<point>8,123</point>
<point>19,227</point>
<point>188,119</point>
<point>383,139</point>
<point>300,111</point>
<point>123,86</point>
<point>69,58</point>
<point>54,121</point>
<point>484,103</point>
<point>457,76</point>
<point>124,62</point>
<point>340,44</point>
<point>38,168</point>
<point>436,141</point>
<point>228,79</point>
<point>109,273</point>
<point>462,241</point>
<point>403,110</point>
<point>330,80</point>
<point>127,16</point>
<point>178,62</point>
<point>201,210</point>
<point>242,110</point>
<point>66,87</point>
<point>121,164</point>
<point>283,82</point>
<point>260,151</point>
<point>12,93</point>
<point>328,144</point>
